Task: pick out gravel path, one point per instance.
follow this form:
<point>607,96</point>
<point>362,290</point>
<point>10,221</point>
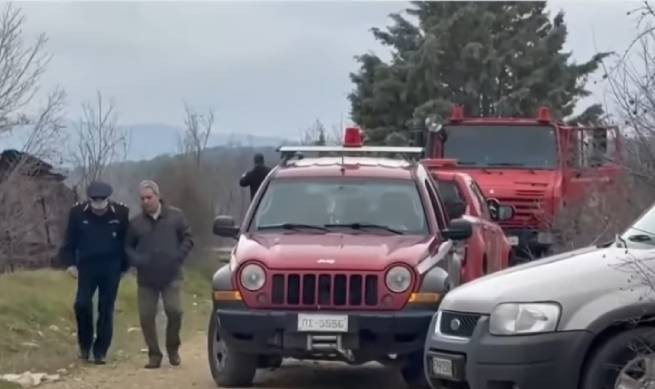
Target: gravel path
<point>194,373</point>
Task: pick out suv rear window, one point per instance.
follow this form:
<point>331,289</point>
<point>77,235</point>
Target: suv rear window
<point>395,204</point>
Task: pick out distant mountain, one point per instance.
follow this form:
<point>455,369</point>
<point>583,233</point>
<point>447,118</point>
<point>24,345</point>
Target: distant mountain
<point>150,140</point>
<point>147,141</point>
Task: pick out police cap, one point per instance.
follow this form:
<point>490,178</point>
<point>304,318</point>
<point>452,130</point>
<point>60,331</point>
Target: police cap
<point>99,189</point>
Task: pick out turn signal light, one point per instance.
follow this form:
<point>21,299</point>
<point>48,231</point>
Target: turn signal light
<point>424,298</point>
<point>231,295</point>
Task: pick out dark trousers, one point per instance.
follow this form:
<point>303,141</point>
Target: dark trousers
<point>171,296</point>
<point>106,280</point>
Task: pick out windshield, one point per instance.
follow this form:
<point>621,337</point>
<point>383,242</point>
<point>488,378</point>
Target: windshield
<point>641,235</point>
<point>502,146</point>
<point>354,205</point>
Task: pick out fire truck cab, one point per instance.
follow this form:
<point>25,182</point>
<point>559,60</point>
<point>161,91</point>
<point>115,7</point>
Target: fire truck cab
<point>537,165</point>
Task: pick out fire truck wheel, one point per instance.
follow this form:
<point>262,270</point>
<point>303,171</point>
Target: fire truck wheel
<point>229,368</point>
<point>413,372</point>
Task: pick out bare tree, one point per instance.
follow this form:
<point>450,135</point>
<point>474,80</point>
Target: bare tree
<point>100,140</point>
<point>197,131</point>
<point>314,135</point>
<point>37,126</point>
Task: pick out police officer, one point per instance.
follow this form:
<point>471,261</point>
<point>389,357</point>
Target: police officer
<point>254,177</point>
<point>94,253</point>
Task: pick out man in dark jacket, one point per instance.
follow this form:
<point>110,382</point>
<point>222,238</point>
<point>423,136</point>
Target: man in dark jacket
<point>93,251</point>
<point>254,177</point>
<point>157,243</point>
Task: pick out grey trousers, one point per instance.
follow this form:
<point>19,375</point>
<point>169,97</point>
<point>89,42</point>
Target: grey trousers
<point>148,299</point>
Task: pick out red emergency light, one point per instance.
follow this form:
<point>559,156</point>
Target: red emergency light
<point>352,137</point>
<point>456,113</point>
<point>544,116</point>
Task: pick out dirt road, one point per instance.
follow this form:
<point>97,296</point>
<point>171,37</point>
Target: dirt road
<point>194,373</point>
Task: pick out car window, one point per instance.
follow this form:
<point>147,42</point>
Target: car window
<point>436,205</point>
<point>318,202</point>
<point>450,192</point>
<point>484,208</point>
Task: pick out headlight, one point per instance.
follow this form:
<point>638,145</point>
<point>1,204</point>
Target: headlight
<point>518,319</point>
<point>253,277</point>
<point>399,279</point>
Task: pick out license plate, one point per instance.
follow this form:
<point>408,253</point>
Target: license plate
<point>442,367</point>
<point>513,240</point>
<point>322,323</point>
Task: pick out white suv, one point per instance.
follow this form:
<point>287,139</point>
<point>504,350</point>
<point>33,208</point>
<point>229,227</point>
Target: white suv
<point>579,320</point>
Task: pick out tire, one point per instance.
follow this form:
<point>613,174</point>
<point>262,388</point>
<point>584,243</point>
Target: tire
<point>413,372</point>
<point>615,355</point>
<point>229,368</point>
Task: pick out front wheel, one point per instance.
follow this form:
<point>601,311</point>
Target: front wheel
<point>229,368</point>
<point>626,360</point>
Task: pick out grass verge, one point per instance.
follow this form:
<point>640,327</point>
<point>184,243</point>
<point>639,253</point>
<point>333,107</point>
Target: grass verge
<point>37,323</point>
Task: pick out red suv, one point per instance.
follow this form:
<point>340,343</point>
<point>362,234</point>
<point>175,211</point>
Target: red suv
<point>338,258</point>
<point>488,250</point>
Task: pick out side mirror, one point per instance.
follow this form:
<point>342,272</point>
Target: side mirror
<point>225,226</point>
<point>455,209</point>
<point>505,212</point>
<point>499,212</point>
<point>459,229</point>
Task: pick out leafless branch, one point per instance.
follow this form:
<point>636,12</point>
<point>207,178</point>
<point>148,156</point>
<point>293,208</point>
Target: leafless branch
<point>197,131</point>
<point>100,140</point>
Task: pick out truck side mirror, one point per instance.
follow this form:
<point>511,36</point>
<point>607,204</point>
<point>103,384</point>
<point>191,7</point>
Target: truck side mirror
<point>458,229</point>
<point>225,226</point>
<point>505,212</point>
<point>498,211</point>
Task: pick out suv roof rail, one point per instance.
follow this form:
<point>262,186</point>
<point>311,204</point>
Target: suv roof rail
<point>412,154</point>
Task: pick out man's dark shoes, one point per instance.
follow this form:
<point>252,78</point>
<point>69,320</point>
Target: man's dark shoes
<point>174,358</point>
<point>100,361</point>
<point>153,363</point>
<point>84,356</point>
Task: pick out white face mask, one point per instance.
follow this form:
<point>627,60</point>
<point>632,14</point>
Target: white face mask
<point>99,204</point>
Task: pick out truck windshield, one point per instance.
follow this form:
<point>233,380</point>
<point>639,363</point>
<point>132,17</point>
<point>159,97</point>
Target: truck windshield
<point>352,205</point>
<point>502,146</point>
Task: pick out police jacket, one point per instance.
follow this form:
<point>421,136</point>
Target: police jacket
<point>96,240</point>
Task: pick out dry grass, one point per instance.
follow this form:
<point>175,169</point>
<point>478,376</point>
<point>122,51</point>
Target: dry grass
<point>37,324</point>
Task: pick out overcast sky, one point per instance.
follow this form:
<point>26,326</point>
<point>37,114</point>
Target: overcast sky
<point>267,68</point>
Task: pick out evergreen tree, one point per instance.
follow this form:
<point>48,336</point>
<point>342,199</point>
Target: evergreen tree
<point>494,58</point>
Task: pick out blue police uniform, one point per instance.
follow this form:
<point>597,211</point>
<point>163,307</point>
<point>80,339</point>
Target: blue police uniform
<point>95,245</point>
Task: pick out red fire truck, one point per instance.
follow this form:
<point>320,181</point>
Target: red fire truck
<point>538,165</point>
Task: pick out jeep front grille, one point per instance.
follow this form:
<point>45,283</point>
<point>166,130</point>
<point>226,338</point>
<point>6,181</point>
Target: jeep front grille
<point>325,290</point>
<point>458,324</point>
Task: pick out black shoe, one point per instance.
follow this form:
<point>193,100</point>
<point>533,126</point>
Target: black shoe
<point>100,361</point>
<point>84,356</point>
<point>153,363</point>
<point>174,358</point>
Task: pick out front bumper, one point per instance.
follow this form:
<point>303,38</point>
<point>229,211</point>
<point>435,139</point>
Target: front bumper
<point>369,335</point>
<point>530,240</point>
<point>484,361</point>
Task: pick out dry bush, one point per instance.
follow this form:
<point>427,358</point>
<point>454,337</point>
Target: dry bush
<point>605,212</point>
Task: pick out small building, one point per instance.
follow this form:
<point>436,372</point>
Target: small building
<point>34,205</point>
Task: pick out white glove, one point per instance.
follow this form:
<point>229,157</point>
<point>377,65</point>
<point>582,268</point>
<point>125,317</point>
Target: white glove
<point>72,271</point>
